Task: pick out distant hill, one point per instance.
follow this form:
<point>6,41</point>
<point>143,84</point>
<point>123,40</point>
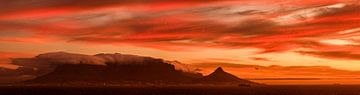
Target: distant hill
<point>219,76</point>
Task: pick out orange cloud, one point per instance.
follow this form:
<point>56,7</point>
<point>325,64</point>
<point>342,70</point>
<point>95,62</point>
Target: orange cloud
<point>186,25</point>
<point>260,59</point>
<point>5,59</point>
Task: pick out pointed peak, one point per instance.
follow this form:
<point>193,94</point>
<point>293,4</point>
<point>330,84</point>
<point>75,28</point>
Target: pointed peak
<point>219,69</point>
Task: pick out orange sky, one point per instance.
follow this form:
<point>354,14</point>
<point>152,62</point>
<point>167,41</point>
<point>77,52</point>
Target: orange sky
<point>284,33</point>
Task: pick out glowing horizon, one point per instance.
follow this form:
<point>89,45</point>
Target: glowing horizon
<point>307,33</point>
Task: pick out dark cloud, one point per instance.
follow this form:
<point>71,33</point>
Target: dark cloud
<point>21,5</point>
<point>257,27</point>
<point>20,74</point>
<point>345,9</point>
<point>6,72</point>
<point>260,59</point>
<point>250,12</point>
<point>345,55</point>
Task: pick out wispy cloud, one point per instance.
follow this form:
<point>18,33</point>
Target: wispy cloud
<point>181,25</point>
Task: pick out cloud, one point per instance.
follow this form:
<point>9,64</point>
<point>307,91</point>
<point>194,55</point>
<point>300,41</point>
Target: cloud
<point>183,25</point>
<point>18,5</point>
<point>221,60</point>
<point>45,63</point>
<point>183,67</point>
<point>58,58</point>
<point>260,59</point>
<point>333,54</point>
<point>68,58</point>
<point>5,59</point>
<point>12,75</point>
<point>312,13</point>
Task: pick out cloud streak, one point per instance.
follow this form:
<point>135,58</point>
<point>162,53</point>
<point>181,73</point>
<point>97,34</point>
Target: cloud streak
<point>185,25</point>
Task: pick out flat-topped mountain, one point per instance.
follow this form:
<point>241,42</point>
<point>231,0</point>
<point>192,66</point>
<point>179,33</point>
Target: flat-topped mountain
<point>68,68</point>
<point>116,68</point>
<point>69,73</point>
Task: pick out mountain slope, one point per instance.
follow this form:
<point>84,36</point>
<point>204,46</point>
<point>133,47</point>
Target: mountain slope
<point>220,76</point>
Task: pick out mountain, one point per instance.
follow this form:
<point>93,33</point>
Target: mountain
<point>154,71</point>
<point>77,74</point>
<point>219,76</point>
<point>78,69</point>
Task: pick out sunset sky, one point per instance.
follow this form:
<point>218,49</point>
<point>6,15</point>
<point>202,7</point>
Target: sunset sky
<point>249,38</point>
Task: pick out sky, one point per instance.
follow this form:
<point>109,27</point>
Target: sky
<point>279,38</point>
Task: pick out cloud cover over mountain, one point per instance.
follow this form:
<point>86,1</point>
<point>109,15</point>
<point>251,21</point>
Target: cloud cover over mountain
<point>47,62</point>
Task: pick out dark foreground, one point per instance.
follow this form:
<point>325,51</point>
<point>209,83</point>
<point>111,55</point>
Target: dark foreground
<point>267,90</point>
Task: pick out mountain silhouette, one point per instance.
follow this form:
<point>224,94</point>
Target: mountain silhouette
<point>118,74</point>
<point>154,71</point>
<point>220,76</point>
<point>78,69</point>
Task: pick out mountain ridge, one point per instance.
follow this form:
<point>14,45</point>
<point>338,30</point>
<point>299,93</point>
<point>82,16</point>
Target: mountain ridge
<point>117,68</point>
